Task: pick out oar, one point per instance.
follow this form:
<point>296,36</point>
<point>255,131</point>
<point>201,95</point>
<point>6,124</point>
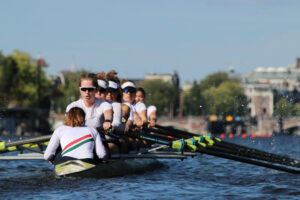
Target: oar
<point>246,154</point>
<point>213,152</point>
<point>167,132</point>
<point>181,132</point>
<point>144,136</point>
<point>243,149</point>
<point>29,143</point>
<point>249,161</point>
<point>254,153</point>
<point>179,145</point>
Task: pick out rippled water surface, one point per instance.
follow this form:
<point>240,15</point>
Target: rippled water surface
<point>202,177</point>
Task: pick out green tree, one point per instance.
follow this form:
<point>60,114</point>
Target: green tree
<point>296,109</point>
<point>216,94</point>
<point>213,80</point>
<point>19,80</point>
<point>161,94</point>
<point>283,108</point>
<point>194,103</point>
<point>227,99</point>
<point>8,71</point>
<point>68,91</point>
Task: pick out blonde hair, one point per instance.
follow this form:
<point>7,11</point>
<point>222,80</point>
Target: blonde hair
<point>75,117</point>
<point>112,76</point>
<point>101,76</point>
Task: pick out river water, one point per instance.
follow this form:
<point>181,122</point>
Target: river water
<point>201,177</point>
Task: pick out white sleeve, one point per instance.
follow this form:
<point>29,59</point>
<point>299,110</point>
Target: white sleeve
<point>53,145</point>
<point>139,107</point>
<point>150,109</point>
<point>131,114</point>
<point>106,106</point>
<point>99,147</point>
<point>117,114</point>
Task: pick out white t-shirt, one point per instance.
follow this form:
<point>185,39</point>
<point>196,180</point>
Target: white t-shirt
<point>150,109</point>
<point>132,110</point>
<point>76,142</point>
<point>94,114</point>
<point>117,113</point>
<point>139,107</point>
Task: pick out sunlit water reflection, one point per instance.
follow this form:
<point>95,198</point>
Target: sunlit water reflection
<point>204,177</point>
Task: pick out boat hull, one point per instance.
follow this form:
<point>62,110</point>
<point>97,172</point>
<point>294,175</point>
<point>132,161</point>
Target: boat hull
<point>113,168</point>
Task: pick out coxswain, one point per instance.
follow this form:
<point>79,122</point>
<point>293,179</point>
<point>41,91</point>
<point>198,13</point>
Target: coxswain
<point>76,140</point>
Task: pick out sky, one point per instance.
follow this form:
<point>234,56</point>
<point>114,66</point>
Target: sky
<point>137,37</point>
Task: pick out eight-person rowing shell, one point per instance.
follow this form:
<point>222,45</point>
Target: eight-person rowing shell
<point>111,105</point>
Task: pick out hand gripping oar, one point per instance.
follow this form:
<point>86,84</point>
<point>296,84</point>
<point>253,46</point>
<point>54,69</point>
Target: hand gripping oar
<point>239,149</point>
<point>29,144</point>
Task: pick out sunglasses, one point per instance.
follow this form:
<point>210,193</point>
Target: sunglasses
<point>131,90</point>
<point>102,90</point>
<point>112,90</point>
<point>90,89</point>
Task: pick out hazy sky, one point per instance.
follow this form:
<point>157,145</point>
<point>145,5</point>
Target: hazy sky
<point>193,37</point>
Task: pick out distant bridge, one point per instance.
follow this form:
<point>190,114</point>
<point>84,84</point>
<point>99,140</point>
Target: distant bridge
<point>269,125</point>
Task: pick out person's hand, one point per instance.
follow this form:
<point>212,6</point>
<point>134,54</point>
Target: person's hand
<point>139,123</point>
<point>151,123</point>
<point>51,162</point>
<point>106,126</point>
<point>127,127</point>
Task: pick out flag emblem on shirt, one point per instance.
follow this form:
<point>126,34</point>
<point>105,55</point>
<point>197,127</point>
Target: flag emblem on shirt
<point>77,143</point>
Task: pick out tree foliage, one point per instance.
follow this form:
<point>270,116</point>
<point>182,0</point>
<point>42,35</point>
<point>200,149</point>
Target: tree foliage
<point>213,80</point>
<point>20,82</point>
<point>216,94</point>
<point>227,99</point>
<point>68,91</point>
<point>283,108</point>
<point>194,103</point>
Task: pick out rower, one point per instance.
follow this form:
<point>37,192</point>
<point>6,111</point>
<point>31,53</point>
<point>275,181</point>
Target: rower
<point>112,143</point>
<point>98,113</point>
<point>129,90</point>
<point>102,86</point>
<point>114,96</point>
<point>93,107</point>
<point>151,110</point>
<point>138,108</point>
<point>77,140</point>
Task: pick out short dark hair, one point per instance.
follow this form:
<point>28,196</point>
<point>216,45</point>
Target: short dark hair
<point>142,91</point>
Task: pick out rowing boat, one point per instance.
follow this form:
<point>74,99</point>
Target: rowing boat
<point>168,143</point>
<point>135,162</point>
<point>118,165</point>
